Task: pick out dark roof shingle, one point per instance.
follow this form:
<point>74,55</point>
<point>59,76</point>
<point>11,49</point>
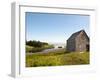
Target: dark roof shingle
<point>74,35</point>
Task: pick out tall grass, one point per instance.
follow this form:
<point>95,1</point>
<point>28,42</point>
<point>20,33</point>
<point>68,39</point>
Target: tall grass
<point>57,59</point>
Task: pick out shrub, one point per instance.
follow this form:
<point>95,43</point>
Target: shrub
<point>59,46</point>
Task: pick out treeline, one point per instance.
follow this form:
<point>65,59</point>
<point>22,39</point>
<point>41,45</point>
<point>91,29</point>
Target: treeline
<point>36,43</point>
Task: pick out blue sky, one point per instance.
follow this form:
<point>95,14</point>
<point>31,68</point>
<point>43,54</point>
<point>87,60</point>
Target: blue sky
<point>54,27</point>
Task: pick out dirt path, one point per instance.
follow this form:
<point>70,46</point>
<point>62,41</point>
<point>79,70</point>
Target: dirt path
<point>48,50</point>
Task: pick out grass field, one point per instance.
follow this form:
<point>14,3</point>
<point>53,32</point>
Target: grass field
<point>57,58</point>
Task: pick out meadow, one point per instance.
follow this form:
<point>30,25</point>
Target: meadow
<point>58,58</point>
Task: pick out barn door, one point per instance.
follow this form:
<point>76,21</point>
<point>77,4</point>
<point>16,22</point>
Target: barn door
<point>87,47</point>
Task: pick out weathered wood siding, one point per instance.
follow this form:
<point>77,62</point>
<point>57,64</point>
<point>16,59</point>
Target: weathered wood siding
<point>79,41</point>
<point>71,45</point>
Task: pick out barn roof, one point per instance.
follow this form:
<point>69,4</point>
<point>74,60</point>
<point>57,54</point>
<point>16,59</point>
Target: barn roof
<point>74,35</point>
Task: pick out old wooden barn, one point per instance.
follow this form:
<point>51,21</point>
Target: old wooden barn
<point>78,41</point>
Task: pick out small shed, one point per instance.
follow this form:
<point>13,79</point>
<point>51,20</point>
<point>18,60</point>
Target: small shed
<point>78,41</point>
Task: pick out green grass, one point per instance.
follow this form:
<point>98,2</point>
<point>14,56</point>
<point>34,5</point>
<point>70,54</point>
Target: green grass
<point>56,59</point>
